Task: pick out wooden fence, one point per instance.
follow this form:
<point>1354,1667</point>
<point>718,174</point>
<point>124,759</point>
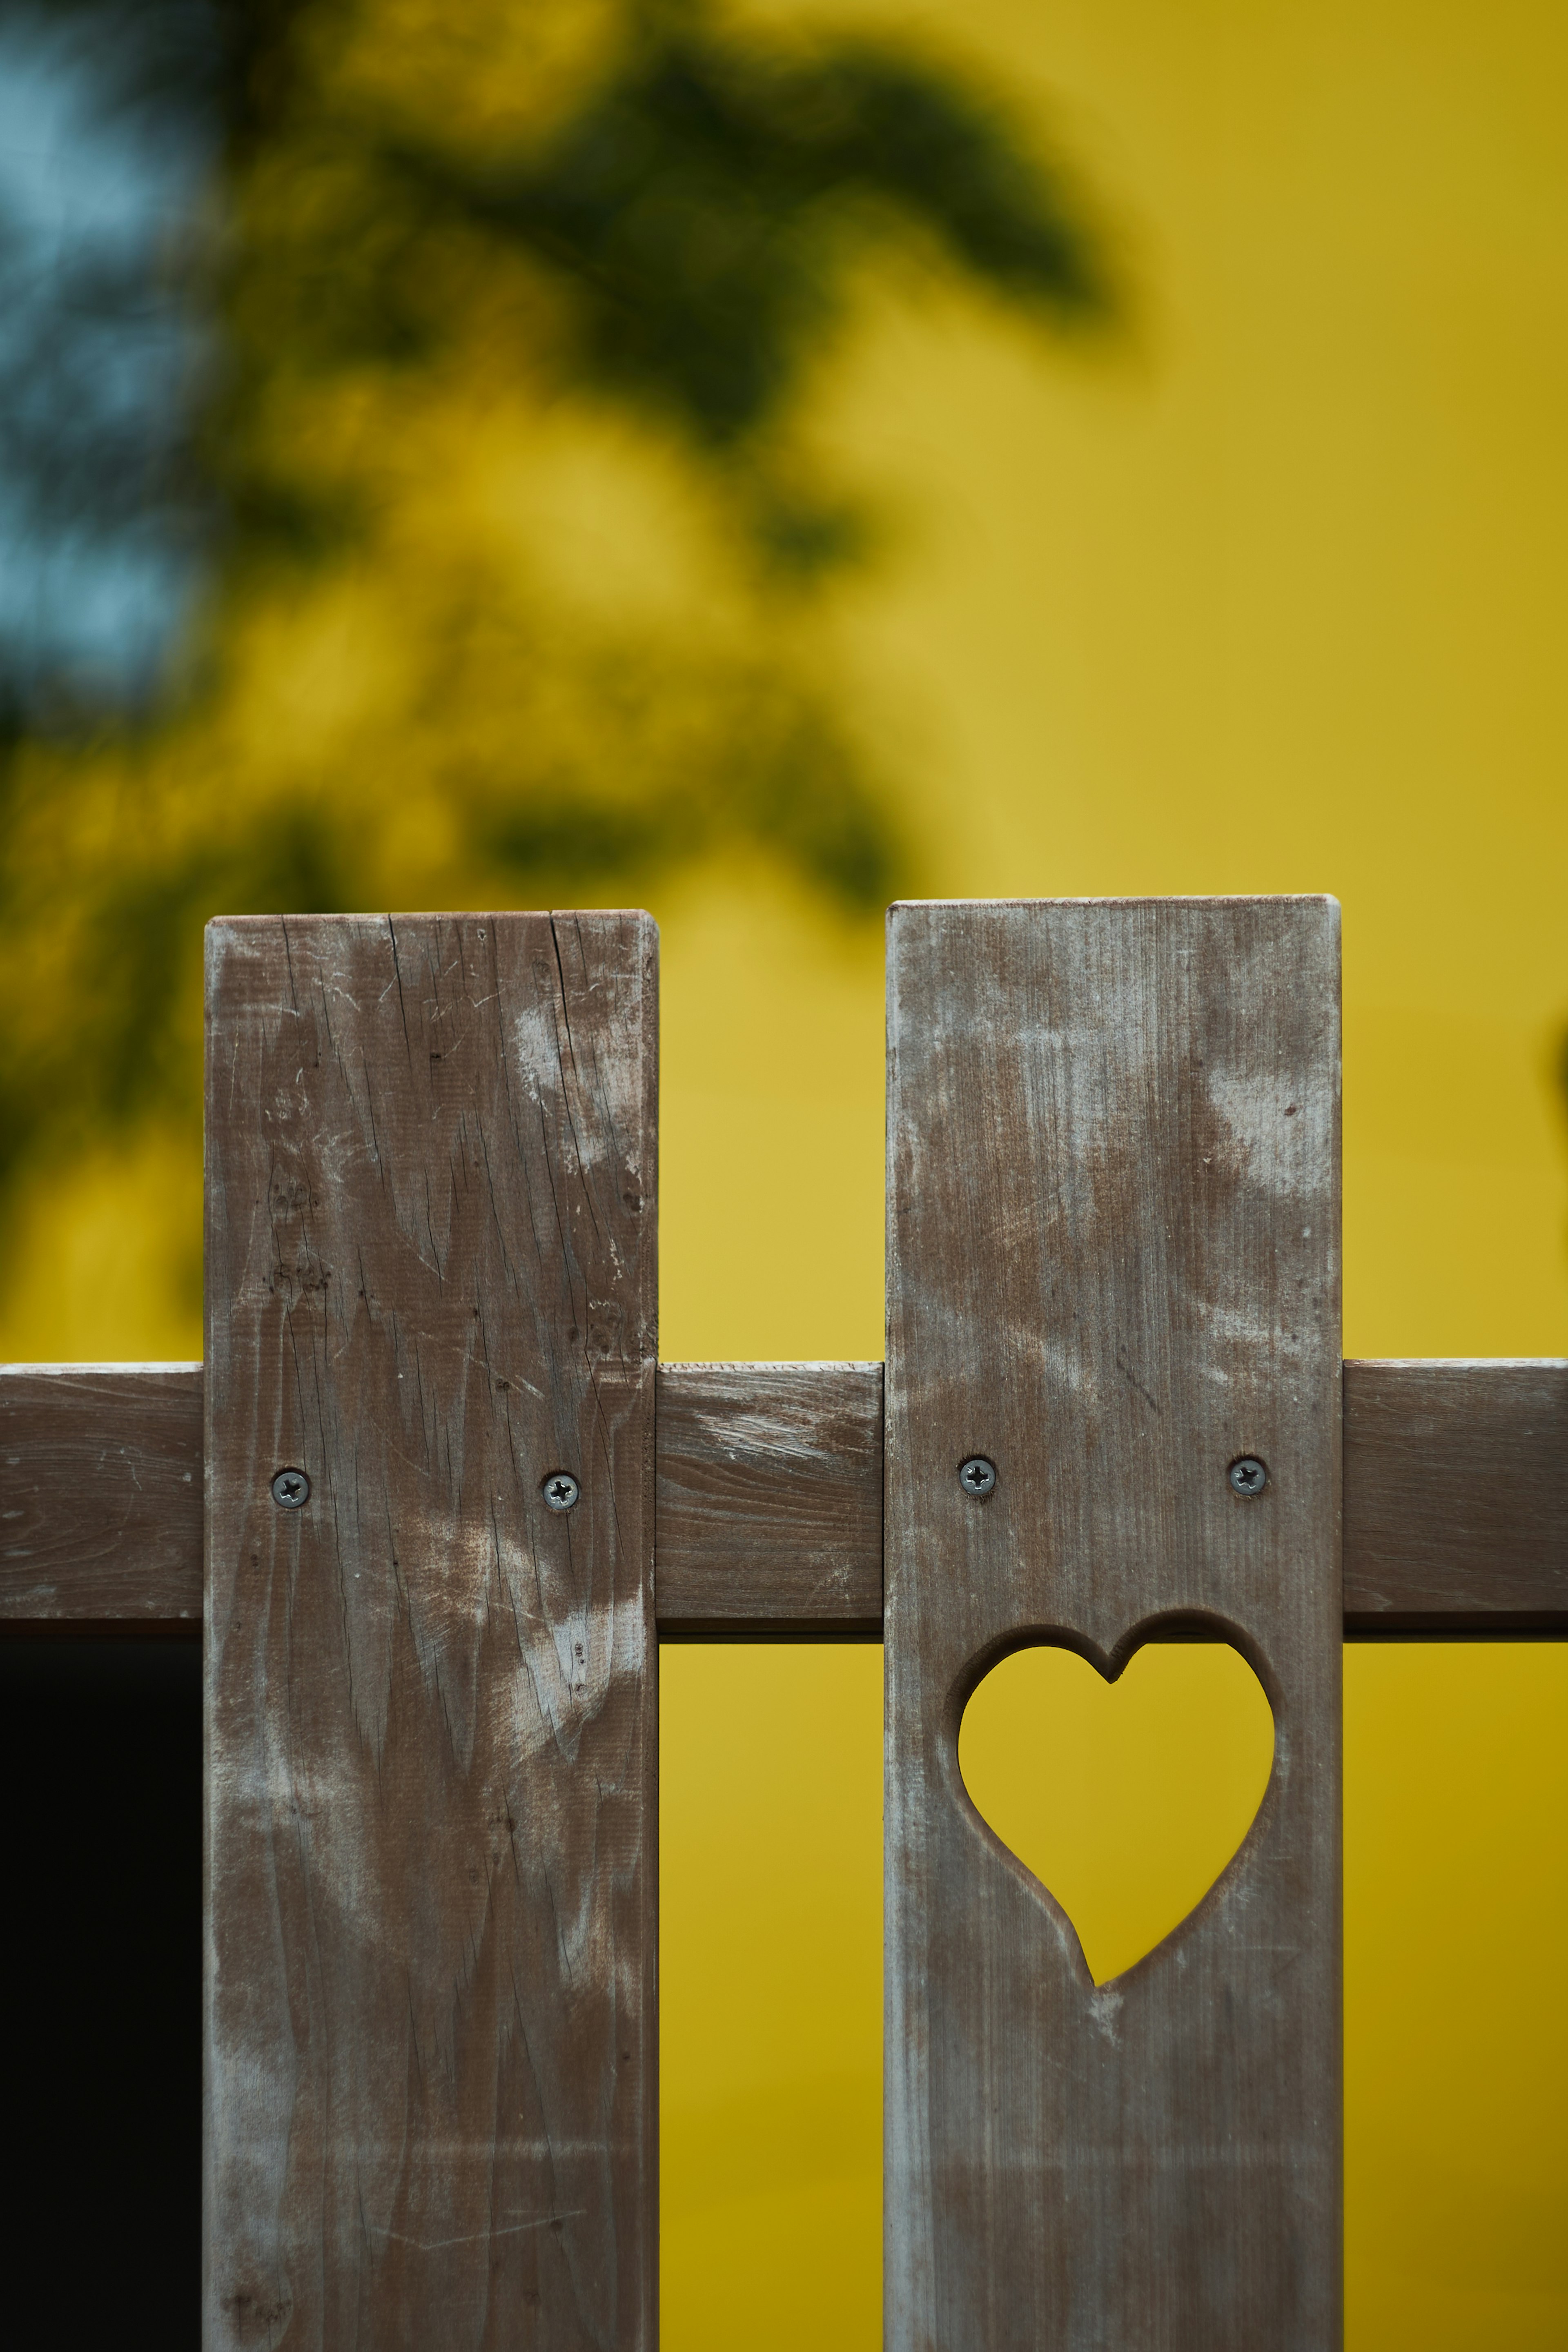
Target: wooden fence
<point>435,1501</point>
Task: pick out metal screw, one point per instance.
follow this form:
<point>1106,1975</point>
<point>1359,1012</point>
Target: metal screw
<point>1248,1477</point>
<point>290,1489</point>
<point>977,1476</point>
<point>561,1490</point>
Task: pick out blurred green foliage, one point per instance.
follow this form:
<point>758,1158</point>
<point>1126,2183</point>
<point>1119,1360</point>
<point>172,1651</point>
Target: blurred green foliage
<point>703,205</point>
<point>430,243</point>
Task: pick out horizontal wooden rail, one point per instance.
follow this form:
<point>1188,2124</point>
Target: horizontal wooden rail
<point>769,1517</point>
<point>1456,1498</point>
<point>770,1499</point>
<point>100,1496</point>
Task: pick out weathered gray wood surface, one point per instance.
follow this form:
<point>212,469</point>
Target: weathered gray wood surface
<point>101,1494</point>
<point>431,2019</point>
<point>1112,1269</point>
<point>1456,1499</point>
<point>770,1499</point>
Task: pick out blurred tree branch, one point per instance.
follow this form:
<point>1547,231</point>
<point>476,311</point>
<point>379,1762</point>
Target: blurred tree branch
<point>430,248</point>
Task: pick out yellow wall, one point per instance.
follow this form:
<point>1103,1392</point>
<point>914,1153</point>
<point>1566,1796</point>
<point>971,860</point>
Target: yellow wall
<point>1276,601</point>
<point>1272,599</point>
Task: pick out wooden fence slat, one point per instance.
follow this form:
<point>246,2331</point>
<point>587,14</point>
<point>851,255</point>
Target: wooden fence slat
<point>770,1501</point>
<point>1456,1499</point>
<point>431,1281</point>
<point>1112,1269</point>
<point>101,1494</point>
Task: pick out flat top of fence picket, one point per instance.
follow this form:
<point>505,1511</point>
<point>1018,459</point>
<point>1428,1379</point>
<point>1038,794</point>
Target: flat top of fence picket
<point>350,915</point>
<point>1131,899</point>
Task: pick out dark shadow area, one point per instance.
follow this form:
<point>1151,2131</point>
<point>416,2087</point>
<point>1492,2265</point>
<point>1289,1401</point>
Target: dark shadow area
<point>102,1771</point>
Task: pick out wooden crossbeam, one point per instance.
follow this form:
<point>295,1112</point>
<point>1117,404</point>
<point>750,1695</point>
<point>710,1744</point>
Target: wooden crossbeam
<point>769,1519</point>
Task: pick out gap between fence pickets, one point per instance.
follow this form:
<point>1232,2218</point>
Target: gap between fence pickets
<point>769,1522</point>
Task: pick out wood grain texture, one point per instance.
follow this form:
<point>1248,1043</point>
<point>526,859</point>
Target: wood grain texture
<point>101,1494</point>
<point>1456,1499</point>
<point>431,1280</point>
<point>770,1501</point>
<point>1456,1504</point>
<point>1112,1269</point>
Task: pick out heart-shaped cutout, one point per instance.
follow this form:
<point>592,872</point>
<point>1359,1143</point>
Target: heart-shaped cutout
<point>1125,1798</point>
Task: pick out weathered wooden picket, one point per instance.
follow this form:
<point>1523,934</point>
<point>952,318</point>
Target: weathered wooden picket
<point>452,1501</point>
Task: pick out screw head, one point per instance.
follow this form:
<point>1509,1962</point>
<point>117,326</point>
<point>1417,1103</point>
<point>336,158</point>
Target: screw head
<point>291,1488</point>
<point>1247,1475</point>
<point>561,1490</point>
<point>978,1477</point>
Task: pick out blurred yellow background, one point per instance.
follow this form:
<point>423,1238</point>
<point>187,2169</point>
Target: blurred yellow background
<point>1272,597</point>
